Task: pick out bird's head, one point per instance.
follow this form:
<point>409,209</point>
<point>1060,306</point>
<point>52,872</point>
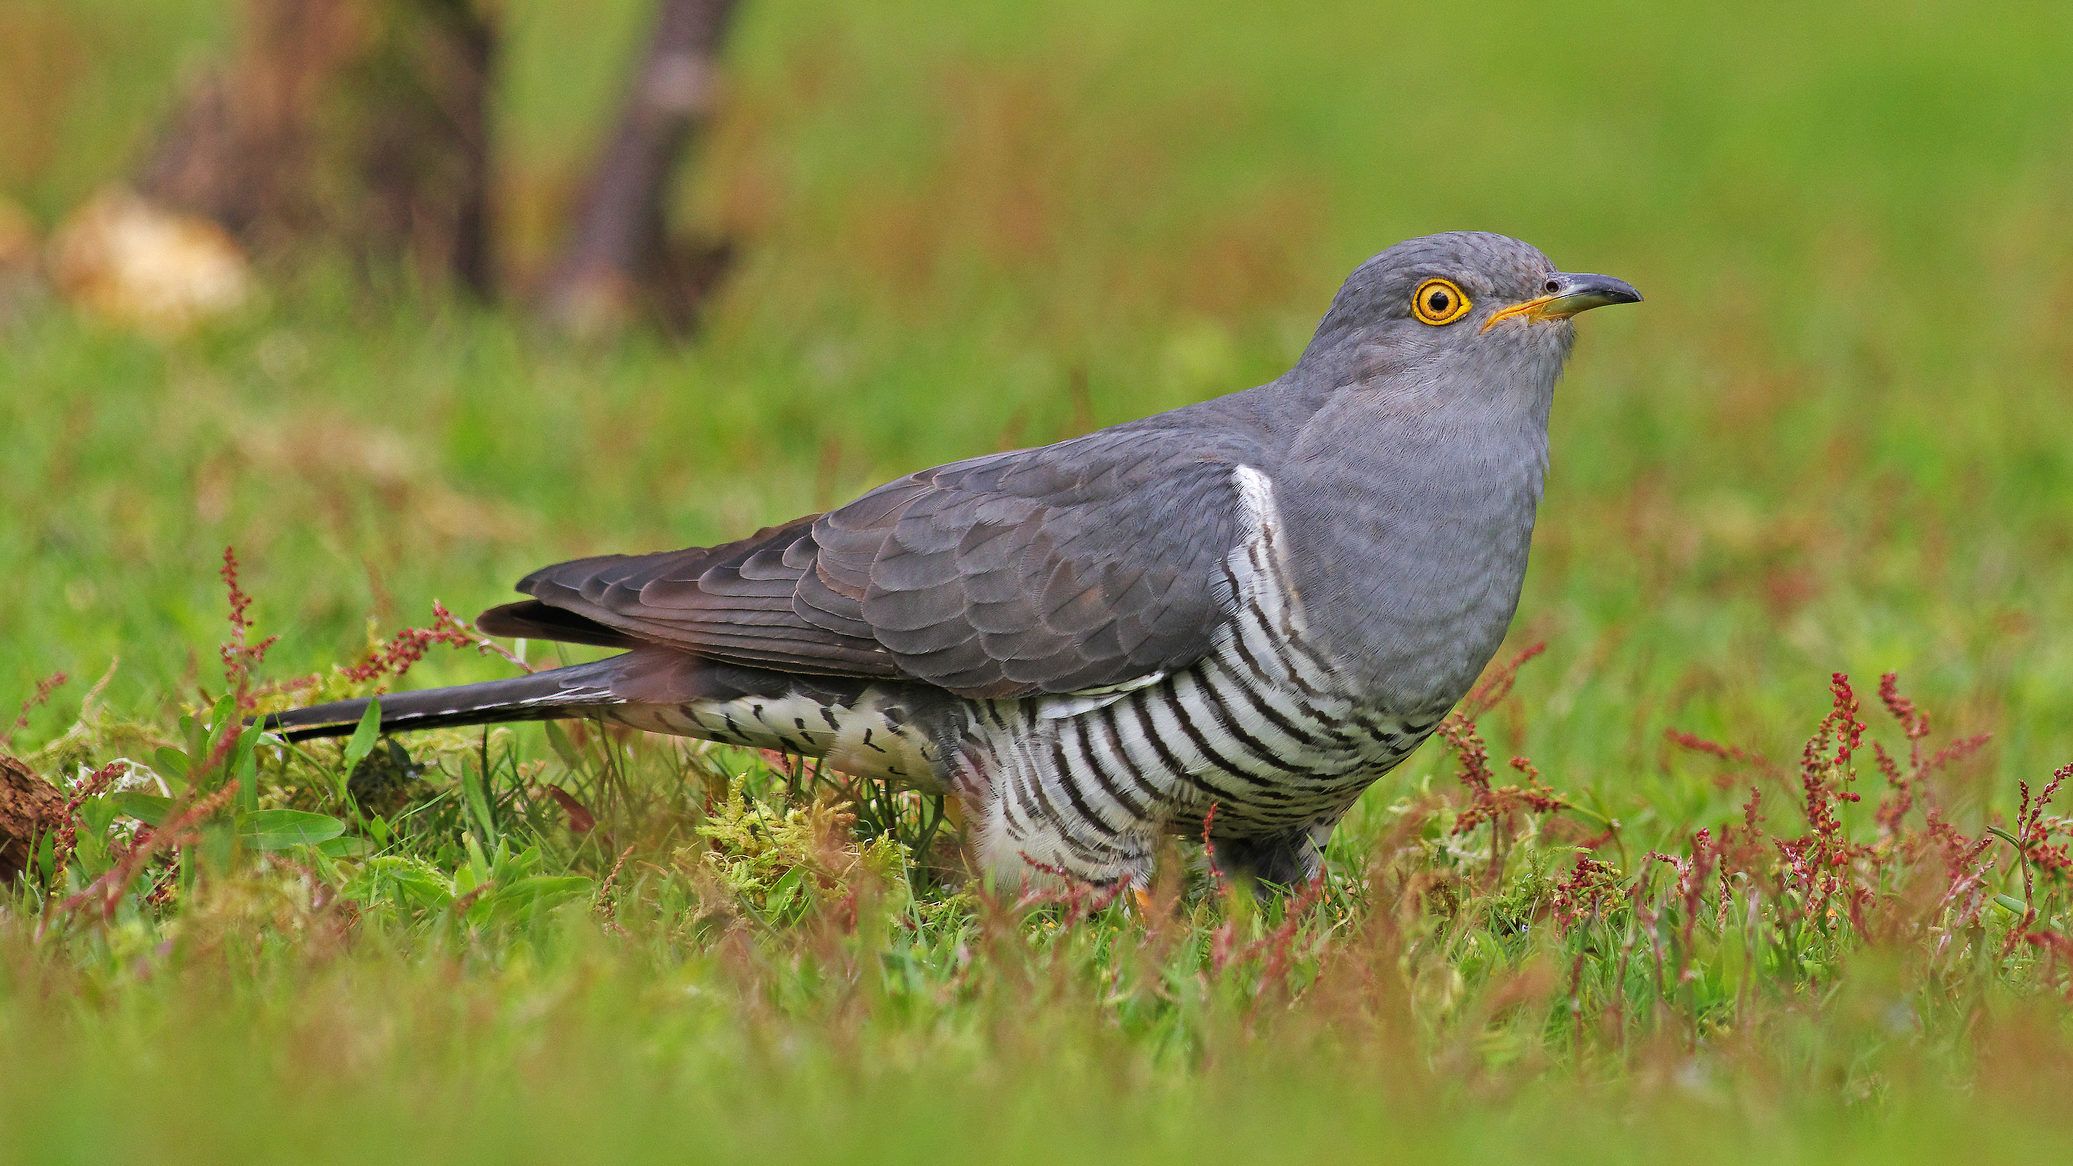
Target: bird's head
<point>1461,312</point>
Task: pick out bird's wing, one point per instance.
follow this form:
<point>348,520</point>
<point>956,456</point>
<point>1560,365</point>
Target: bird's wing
<point>1060,569</point>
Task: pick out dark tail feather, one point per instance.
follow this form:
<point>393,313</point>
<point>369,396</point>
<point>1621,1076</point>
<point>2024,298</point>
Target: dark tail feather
<point>542,696</point>
<point>531,619</point>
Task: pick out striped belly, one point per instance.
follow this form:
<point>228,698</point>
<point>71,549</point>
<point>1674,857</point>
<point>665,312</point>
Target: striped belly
<point>872,734</point>
<point>1259,730</point>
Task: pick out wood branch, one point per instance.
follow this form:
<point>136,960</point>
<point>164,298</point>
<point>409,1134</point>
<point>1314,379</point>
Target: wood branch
<point>359,125</point>
<point>237,145</point>
<point>618,256</point>
<point>29,808</point>
<point>427,159</point>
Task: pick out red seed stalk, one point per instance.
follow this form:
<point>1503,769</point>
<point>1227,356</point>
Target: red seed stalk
<point>241,655</point>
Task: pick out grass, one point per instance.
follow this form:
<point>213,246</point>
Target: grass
<point>1831,441</point>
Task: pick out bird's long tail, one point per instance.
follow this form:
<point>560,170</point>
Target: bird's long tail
<point>541,696</point>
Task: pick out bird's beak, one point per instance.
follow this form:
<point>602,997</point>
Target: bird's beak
<point>1572,294</point>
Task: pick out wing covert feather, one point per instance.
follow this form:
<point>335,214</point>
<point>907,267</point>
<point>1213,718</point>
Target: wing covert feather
<point>1080,565</point>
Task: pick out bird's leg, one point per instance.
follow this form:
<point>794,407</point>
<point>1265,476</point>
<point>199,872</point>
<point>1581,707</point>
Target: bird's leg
<point>1289,858</point>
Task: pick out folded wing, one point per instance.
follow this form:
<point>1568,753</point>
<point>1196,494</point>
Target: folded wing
<point>1059,569</point>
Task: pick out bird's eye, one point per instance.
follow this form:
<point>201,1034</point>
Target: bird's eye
<point>1439,301</point>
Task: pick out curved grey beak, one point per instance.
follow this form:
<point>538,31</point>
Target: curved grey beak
<point>1567,294</point>
<point>1582,292</point>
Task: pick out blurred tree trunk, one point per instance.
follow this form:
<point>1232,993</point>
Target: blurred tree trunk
<point>618,258</point>
<point>29,807</point>
<point>358,124</point>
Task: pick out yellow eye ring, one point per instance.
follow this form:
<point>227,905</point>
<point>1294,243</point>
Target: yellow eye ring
<point>1439,301</point>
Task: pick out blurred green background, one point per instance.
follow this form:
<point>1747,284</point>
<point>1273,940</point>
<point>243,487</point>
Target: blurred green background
<point>1833,439</point>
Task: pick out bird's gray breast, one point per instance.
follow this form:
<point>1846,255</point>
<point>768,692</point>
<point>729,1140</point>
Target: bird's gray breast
<point>1408,555</point>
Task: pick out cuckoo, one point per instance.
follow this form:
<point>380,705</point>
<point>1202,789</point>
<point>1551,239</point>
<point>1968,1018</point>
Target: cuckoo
<point>1243,611</point>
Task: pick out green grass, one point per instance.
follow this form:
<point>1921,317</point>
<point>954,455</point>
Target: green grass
<point>1831,440</point>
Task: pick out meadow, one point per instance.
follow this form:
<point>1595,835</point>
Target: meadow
<point>1738,893</point>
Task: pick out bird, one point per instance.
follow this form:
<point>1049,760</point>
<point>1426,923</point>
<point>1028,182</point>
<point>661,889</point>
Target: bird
<point>1222,622</point>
